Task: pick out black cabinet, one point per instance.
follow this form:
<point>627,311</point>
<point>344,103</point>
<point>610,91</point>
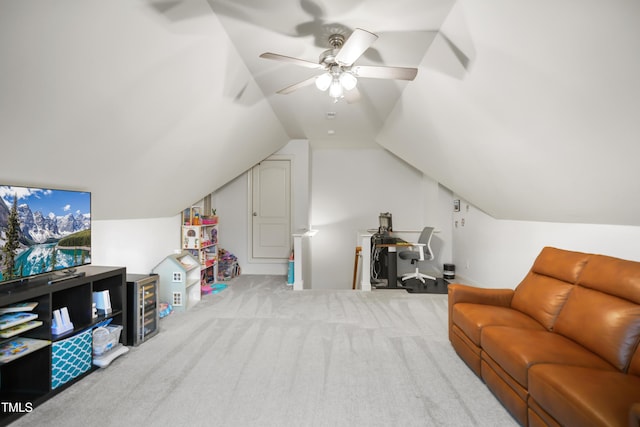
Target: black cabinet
<point>28,375</point>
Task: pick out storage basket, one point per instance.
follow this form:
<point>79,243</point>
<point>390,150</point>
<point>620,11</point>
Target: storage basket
<point>71,358</point>
<point>105,338</point>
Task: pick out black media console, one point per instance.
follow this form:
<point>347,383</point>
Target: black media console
<point>42,364</point>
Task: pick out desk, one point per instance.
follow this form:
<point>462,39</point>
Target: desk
<point>364,240</point>
<point>392,263</point>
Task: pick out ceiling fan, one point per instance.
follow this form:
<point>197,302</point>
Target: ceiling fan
<point>341,75</point>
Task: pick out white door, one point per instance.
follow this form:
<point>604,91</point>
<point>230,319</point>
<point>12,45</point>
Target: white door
<point>271,200</point>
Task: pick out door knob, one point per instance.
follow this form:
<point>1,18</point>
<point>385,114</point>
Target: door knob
<point>255,214</point>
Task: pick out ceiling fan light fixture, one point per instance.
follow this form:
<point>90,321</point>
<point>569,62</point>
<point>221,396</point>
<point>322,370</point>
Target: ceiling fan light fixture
<point>335,89</point>
<point>348,80</point>
<point>340,74</point>
<point>323,81</point>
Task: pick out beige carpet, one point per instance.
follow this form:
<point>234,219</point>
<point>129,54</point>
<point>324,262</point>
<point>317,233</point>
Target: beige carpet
<point>260,354</point>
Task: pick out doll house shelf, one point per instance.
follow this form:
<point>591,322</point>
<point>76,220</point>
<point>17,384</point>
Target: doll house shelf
<point>179,280</point>
<point>200,238</point>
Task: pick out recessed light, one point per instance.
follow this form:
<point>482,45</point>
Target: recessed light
<point>331,132</point>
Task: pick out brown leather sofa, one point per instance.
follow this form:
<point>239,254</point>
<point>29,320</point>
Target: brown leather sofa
<point>562,348</point>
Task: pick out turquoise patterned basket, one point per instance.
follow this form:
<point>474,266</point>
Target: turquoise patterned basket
<point>70,358</point>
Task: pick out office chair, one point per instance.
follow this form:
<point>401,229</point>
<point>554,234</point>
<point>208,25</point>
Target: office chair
<point>423,253</point>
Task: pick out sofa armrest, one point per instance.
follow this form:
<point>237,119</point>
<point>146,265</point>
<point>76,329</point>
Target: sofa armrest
<point>465,293</point>
<point>634,415</point>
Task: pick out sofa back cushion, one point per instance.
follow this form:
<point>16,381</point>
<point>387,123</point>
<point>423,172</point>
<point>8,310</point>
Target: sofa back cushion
<point>620,278</point>
<point>561,264</point>
<point>607,325</point>
<point>541,297</point>
<point>613,276</point>
<point>546,287</point>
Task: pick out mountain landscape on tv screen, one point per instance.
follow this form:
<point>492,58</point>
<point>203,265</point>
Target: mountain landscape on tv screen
<point>46,240</point>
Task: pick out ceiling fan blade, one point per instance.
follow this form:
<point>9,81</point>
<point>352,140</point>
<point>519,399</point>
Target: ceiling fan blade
<point>295,61</point>
<point>352,96</point>
<point>377,72</point>
<point>297,86</point>
<point>355,46</point>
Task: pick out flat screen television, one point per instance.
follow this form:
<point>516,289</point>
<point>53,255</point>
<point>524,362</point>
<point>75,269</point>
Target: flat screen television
<point>42,231</point>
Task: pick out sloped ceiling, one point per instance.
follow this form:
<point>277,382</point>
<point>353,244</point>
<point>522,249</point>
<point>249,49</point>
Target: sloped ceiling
<point>110,97</point>
<point>545,123</point>
<point>301,29</point>
<point>529,110</point>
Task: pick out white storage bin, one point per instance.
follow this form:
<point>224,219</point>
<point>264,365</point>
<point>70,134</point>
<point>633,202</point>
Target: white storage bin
<point>105,338</point>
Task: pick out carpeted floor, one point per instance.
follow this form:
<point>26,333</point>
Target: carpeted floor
<point>260,354</point>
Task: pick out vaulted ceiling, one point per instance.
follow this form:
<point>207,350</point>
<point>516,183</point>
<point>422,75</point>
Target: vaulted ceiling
<point>529,110</point>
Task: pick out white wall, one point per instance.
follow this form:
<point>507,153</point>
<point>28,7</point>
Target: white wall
<point>498,253</point>
<point>140,244</point>
<point>137,244</point>
<point>349,189</point>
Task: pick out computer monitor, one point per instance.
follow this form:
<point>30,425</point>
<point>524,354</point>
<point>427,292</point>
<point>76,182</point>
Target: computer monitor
<point>385,223</point>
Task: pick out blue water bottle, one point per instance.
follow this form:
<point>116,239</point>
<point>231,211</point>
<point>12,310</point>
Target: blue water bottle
<point>291,267</point>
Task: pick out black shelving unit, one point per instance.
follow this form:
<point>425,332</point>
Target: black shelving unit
<point>26,381</point>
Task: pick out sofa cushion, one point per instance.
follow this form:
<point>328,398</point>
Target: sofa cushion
<point>607,325</point>
<point>459,293</point>
<point>581,396</point>
<point>541,297</point>
<point>471,318</point>
<point>560,264</point>
<point>515,350</point>
<point>613,276</point>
